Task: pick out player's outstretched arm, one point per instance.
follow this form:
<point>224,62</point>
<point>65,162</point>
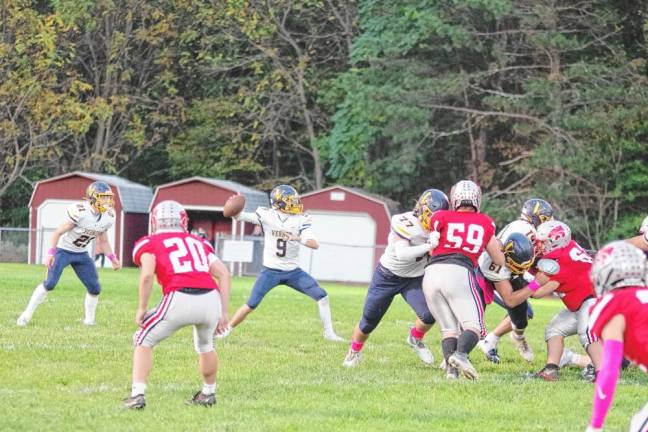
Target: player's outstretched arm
<point>147,272</point>
<point>608,375</point>
<point>104,246</point>
<point>220,272</point>
<point>248,217</point>
<point>512,298</point>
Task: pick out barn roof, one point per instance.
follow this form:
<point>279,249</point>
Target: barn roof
<point>393,207</point>
<point>253,198</point>
<point>135,197</point>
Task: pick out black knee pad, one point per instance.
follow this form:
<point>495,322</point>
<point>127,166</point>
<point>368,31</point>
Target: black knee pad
<point>427,318</point>
<point>366,327</point>
<point>94,290</point>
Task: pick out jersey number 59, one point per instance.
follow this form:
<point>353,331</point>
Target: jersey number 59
<point>189,255</point>
<point>468,238</point>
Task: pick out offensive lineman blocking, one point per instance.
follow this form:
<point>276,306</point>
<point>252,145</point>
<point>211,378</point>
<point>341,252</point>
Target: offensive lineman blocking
<point>86,220</point>
<point>285,227</point>
<point>400,271</point>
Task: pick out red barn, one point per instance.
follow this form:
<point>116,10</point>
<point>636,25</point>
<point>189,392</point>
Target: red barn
<point>352,226</point>
<point>204,198</point>
<point>51,197</point>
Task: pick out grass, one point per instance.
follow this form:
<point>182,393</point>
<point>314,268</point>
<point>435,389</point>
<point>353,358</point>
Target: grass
<point>277,373</point>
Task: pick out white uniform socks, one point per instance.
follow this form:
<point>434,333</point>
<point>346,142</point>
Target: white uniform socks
<point>325,314</point>
<point>38,296</point>
<point>90,308</point>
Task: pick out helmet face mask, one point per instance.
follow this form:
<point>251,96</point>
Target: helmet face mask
<point>536,211</point>
<point>552,235</point>
<point>430,201</point>
<point>100,196</point>
<point>466,193</point>
<point>518,252</point>
<point>169,216</point>
<point>286,199</point>
<point>618,264</point>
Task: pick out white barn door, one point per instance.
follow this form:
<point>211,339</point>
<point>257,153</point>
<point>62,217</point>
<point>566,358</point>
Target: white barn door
<point>347,245</point>
<point>50,215</point>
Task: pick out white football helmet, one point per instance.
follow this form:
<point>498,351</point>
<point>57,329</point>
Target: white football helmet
<point>465,193</point>
<point>553,235</point>
<point>618,264</point>
<point>644,226</point>
<point>169,215</point>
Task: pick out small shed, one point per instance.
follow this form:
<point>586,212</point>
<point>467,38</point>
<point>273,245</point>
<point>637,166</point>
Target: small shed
<point>204,198</point>
<point>352,226</point>
<point>51,198</point>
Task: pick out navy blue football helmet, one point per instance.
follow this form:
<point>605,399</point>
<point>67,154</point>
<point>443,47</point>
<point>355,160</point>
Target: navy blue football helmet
<point>430,201</point>
<point>286,199</point>
<point>519,253</point>
<point>536,211</point>
<point>100,196</point>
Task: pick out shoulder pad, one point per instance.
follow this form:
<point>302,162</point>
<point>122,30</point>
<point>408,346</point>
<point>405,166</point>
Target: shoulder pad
<point>402,225</point>
<point>76,211</point>
<point>548,266</point>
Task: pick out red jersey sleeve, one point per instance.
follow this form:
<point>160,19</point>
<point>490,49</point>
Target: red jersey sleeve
<point>142,246</point>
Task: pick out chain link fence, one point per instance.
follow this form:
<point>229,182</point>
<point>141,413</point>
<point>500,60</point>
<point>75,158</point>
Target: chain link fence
<point>14,245</point>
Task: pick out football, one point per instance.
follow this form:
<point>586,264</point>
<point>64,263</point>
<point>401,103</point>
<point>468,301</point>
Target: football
<point>234,205</point>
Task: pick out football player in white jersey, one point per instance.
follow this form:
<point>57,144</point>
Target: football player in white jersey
<point>86,220</point>
<point>285,227</point>
<point>400,271</point>
<point>534,212</point>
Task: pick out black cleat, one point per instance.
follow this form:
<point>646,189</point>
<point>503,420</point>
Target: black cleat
<point>135,402</point>
<point>203,399</point>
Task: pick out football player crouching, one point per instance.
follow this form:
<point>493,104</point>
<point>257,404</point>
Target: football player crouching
<point>285,227</point>
<point>565,270</point>
<point>506,282</point>
<point>620,320</point>
<point>186,268</point>
<point>85,221</point>
<point>400,271</point>
<point>534,212</point>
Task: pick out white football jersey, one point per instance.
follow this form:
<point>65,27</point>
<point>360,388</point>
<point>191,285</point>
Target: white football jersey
<point>278,252</point>
<point>88,226</point>
<point>405,226</point>
<point>492,271</point>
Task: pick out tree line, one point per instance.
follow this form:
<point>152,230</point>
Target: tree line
<point>527,97</point>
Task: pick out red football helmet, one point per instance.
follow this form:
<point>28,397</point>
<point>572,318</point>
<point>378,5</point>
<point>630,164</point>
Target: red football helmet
<point>170,216</point>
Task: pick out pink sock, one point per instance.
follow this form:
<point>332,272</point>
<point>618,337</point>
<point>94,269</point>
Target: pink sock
<point>416,333</point>
<point>606,381</point>
<point>356,346</point>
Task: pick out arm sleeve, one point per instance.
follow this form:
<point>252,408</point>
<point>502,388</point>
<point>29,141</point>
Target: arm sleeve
<point>406,252</point>
<point>248,217</point>
<point>606,381</point>
<point>142,246</point>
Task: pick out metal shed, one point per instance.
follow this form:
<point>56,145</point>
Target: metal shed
<point>51,197</point>
<point>352,226</point>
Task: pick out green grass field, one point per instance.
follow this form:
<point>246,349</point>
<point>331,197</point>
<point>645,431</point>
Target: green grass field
<point>277,373</point>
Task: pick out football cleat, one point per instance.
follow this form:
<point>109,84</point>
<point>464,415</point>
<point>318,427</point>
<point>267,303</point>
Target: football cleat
<point>420,349</point>
<point>137,402</point>
<point>522,346</point>
<point>452,373</point>
<point>23,319</point>
<point>462,363</point>
<point>489,351</point>
<point>330,335</point>
<point>589,373</point>
<point>548,373</point>
<point>352,359</point>
<point>100,196</point>
<point>88,322</point>
<point>202,399</point>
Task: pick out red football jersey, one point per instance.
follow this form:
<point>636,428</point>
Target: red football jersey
<point>181,260</point>
<point>573,276</point>
<point>464,233</point>
<point>632,303</point>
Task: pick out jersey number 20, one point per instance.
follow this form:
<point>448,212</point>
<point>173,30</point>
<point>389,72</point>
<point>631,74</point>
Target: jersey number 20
<point>189,255</point>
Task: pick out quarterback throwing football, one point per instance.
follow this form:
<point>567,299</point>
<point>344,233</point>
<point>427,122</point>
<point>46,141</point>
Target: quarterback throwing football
<point>285,227</point>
